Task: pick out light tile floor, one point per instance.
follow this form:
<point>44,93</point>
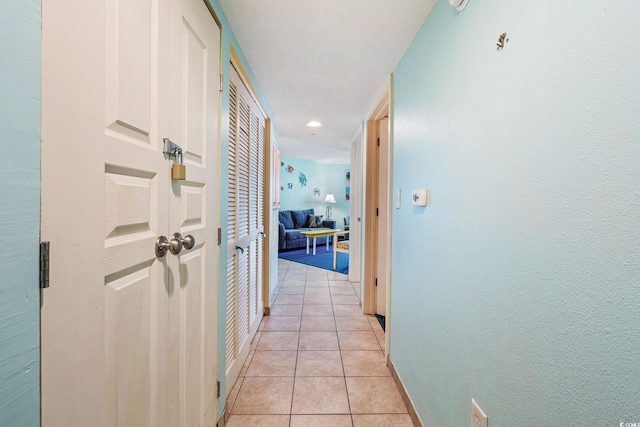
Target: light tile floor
<point>317,360</point>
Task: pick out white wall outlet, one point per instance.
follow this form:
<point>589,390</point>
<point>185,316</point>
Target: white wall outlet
<point>419,198</point>
<point>398,198</point>
<point>478,417</point>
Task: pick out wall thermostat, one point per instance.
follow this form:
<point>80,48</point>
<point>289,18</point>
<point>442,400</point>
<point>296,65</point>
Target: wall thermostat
<point>419,198</point>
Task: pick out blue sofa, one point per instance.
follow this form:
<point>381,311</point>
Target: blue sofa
<point>291,223</point>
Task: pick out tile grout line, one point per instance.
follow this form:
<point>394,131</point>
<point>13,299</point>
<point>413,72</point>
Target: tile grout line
<point>344,373</point>
<point>295,368</point>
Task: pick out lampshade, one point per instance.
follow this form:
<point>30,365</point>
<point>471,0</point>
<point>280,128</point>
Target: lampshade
<point>330,199</point>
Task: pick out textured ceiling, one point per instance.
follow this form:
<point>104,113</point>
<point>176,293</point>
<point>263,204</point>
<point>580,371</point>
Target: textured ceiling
<point>324,60</point>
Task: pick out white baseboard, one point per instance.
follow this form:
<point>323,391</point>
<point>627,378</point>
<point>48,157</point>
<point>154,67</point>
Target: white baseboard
<point>405,396</point>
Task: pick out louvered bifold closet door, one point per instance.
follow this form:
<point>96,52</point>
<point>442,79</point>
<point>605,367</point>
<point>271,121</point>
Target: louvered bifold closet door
<point>261,203</point>
<point>232,225</point>
<point>238,281</point>
<point>253,213</point>
<point>245,225</point>
<point>244,207</point>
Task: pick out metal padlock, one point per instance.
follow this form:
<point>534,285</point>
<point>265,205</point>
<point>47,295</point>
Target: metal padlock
<point>178,172</point>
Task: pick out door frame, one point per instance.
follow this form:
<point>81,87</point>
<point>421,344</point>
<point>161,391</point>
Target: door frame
<point>371,179</point>
<point>355,210</point>
<point>271,203</point>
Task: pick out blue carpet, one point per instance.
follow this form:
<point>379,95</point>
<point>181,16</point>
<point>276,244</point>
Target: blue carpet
<point>322,259</point>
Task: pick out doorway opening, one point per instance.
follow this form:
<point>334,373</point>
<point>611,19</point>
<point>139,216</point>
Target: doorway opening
<point>377,214</point>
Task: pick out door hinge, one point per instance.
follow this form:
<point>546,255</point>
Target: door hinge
<point>219,236</point>
<point>377,212</point>
<point>44,265</point>
<point>221,82</point>
<point>378,142</point>
<point>218,389</point>
<point>376,281</point>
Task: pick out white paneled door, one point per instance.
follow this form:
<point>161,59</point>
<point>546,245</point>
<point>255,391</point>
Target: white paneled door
<point>129,338</point>
<point>245,227</point>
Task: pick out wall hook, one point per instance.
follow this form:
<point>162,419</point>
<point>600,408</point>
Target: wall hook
<point>501,41</point>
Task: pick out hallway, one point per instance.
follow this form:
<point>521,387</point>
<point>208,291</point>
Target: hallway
<point>317,360</point>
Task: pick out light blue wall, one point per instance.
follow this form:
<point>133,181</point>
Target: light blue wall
<point>20,212</point>
<point>328,178</point>
<point>519,284</point>
<point>229,39</point>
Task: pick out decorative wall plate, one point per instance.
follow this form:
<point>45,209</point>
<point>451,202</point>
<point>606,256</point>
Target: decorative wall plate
<point>459,4</point>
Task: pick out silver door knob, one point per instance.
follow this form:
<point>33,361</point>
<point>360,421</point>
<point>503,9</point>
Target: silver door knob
<point>188,241</point>
<point>164,245</point>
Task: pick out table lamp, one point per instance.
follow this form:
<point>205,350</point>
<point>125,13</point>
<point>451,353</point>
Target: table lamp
<point>329,199</point>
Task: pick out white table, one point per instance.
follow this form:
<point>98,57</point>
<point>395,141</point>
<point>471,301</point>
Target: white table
<point>314,234</point>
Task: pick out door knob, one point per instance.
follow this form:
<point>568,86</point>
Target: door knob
<point>188,241</point>
<point>163,245</point>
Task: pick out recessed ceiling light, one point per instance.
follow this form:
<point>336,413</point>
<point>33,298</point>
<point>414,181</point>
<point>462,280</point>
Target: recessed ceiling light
<point>314,124</point>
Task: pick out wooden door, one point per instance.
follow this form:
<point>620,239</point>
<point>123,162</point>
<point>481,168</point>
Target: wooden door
<point>128,339</point>
<point>383,229</point>
<point>245,228</point>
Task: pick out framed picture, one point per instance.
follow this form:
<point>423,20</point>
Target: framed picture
<point>347,183</point>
